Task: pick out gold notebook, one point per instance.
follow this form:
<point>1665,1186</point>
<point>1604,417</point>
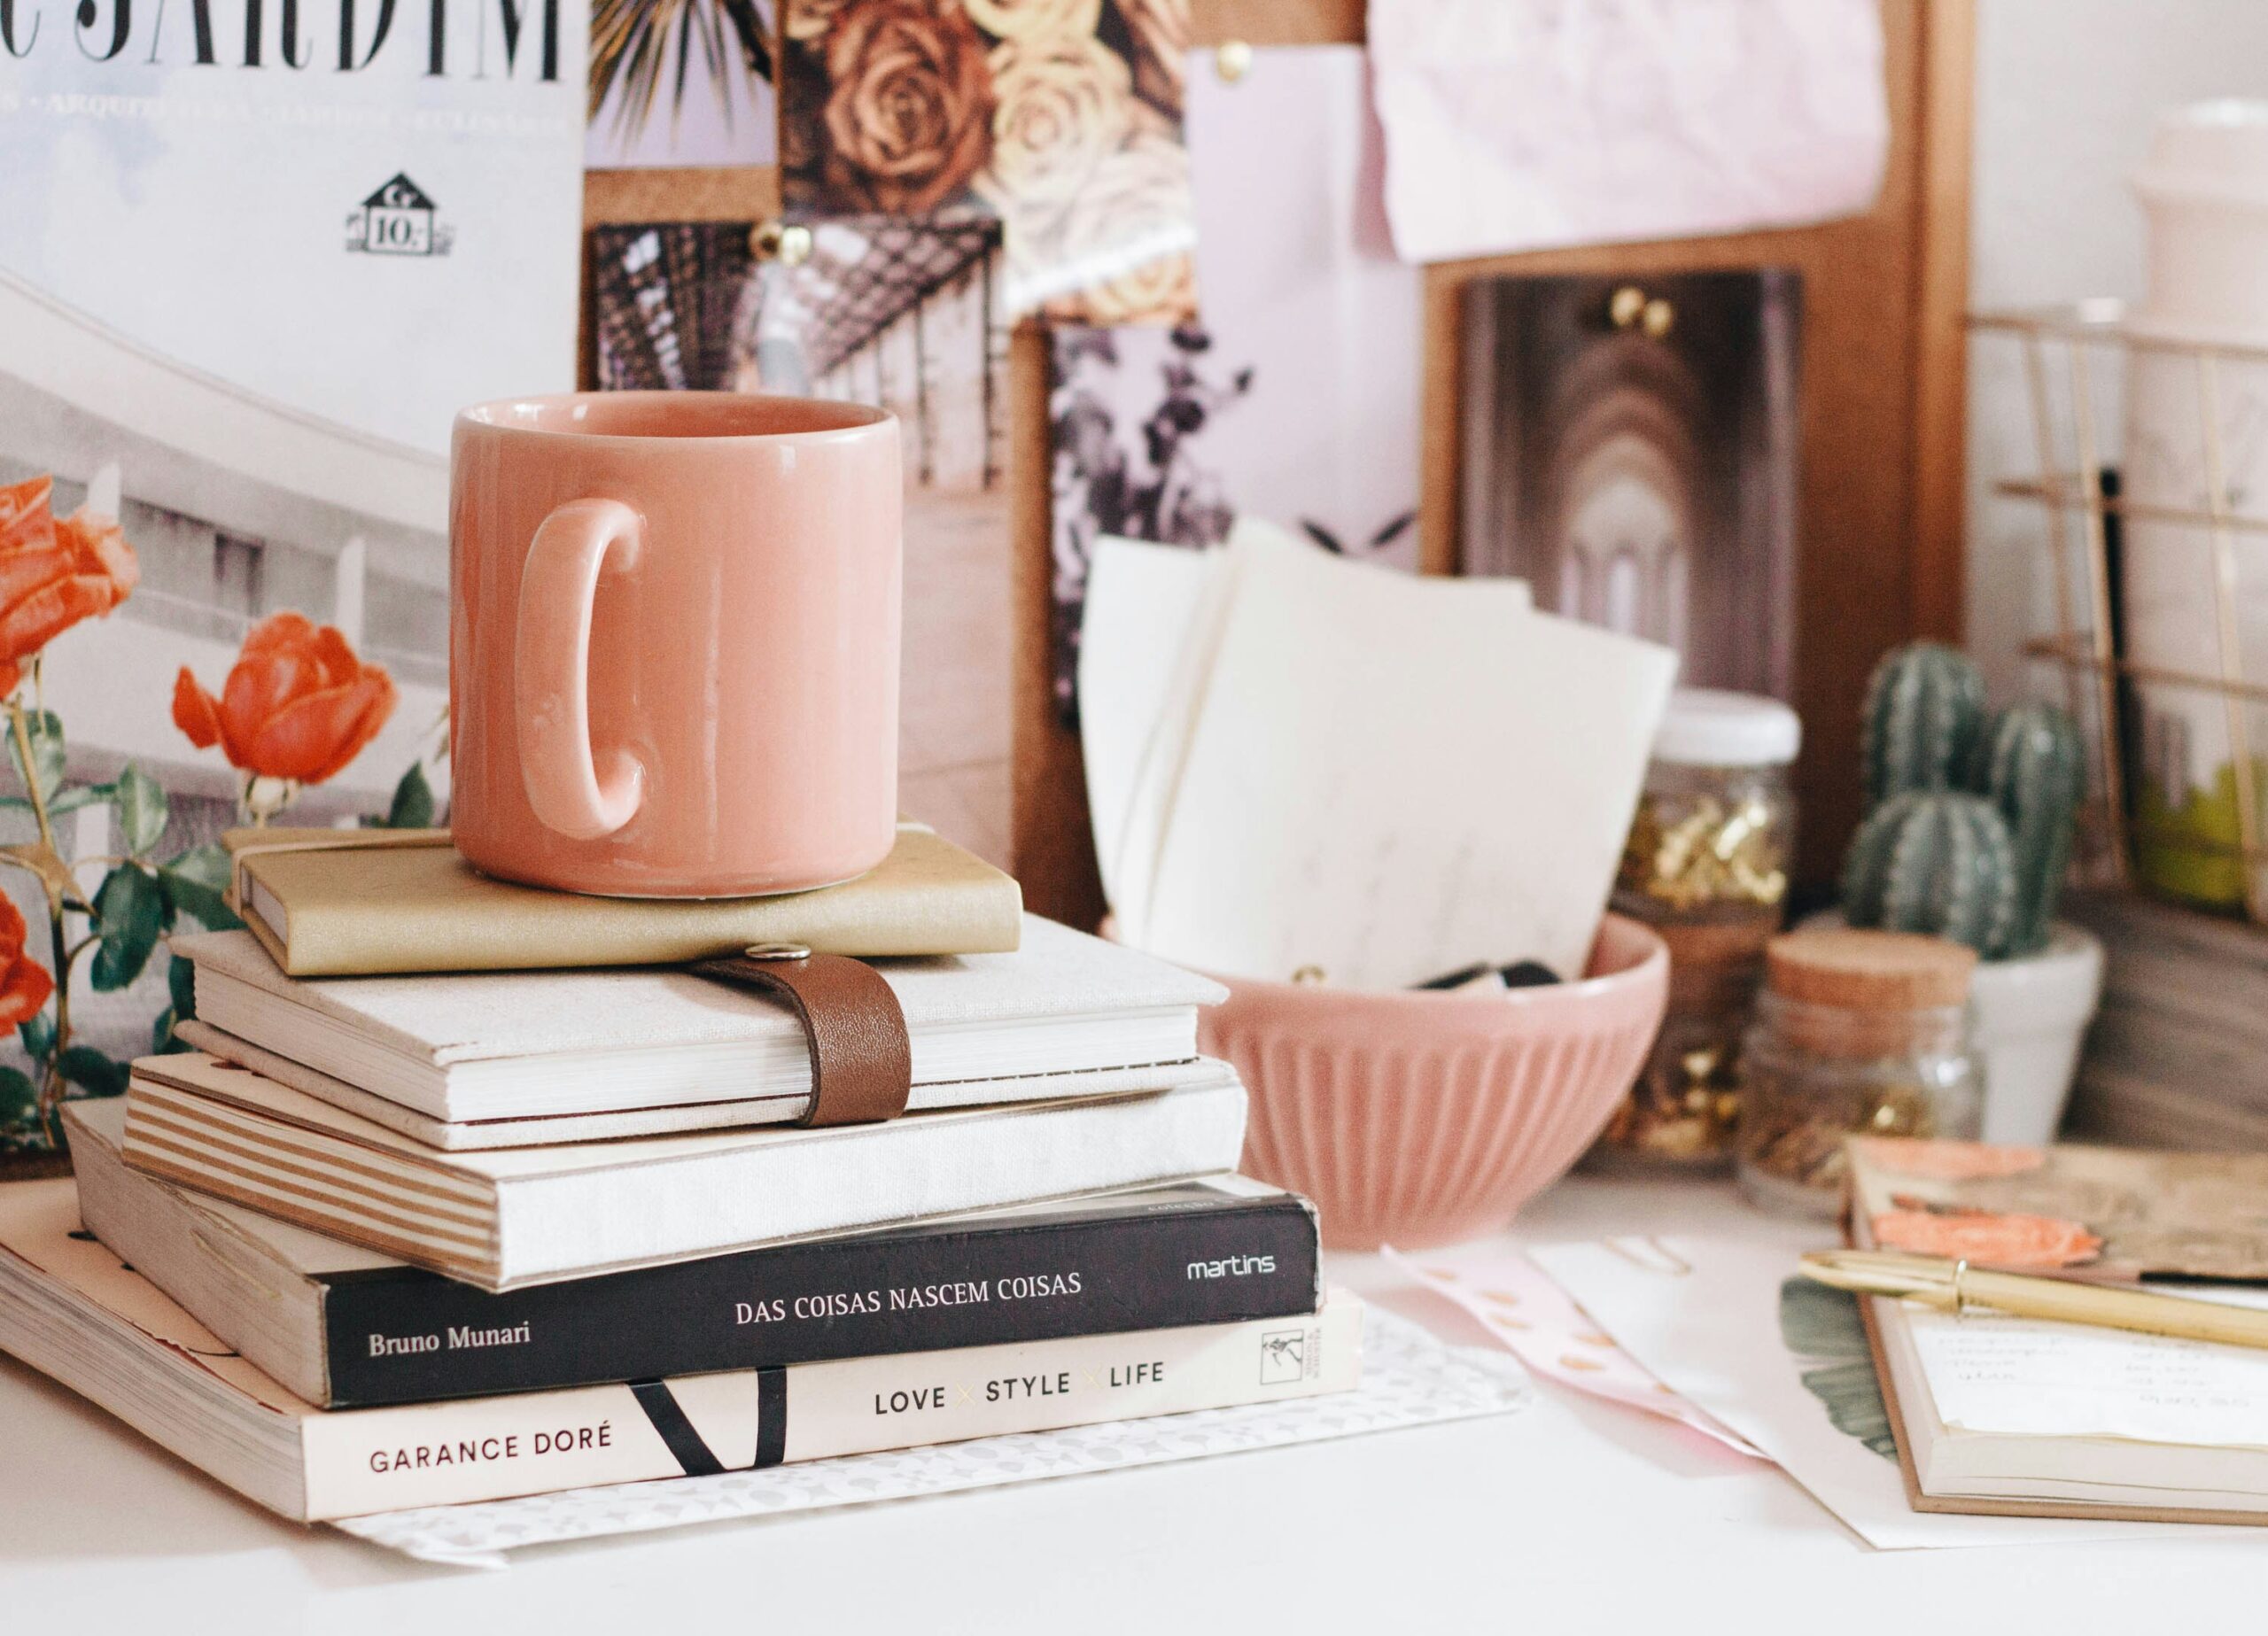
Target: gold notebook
<point>330,903</point>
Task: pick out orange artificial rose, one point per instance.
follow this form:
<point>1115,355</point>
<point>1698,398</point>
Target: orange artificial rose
<point>52,574</point>
<point>298,704</point>
<point>24,983</point>
<point>1988,1239</point>
<point>909,107</point>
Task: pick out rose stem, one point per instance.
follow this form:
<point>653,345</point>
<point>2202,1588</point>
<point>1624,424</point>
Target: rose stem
<point>51,1088</point>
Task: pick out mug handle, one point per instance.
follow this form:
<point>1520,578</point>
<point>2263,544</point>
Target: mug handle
<point>570,792</point>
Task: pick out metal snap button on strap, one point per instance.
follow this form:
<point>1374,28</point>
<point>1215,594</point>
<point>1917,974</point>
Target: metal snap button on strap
<point>862,1063</point>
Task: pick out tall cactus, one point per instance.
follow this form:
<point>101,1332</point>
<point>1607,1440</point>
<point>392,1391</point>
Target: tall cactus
<point>2031,766</point>
<point>1934,861</point>
<point>1925,710</point>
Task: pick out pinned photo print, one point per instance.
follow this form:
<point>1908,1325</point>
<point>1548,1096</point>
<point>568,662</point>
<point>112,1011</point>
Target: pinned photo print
<point>1061,117</point>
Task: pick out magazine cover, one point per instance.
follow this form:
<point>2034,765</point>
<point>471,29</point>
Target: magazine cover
<point>224,429</point>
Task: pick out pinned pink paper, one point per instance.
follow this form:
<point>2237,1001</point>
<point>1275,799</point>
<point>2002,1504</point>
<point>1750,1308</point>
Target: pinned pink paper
<point>1517,125</point>
<point>1537,1322</point>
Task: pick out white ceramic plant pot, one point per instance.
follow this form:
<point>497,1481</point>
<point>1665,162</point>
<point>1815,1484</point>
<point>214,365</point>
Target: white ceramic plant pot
<point>2027,1020</point>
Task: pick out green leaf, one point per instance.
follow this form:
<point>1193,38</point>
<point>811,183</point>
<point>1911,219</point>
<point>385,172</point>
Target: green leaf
<point>181,983</point>
<point>37,1033</point>
<point>162,1042</point>
<point>412,801</point>
<point>46,729</point>
<point>129,913</point>
<point>18,1101</point>
<point>77,796</point>
<point>141,810</point>
<point>208,865</point>
<point>92,1071</point>
<point>196,884</point>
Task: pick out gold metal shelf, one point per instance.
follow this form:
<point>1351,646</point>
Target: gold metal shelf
<point>2063,347</point>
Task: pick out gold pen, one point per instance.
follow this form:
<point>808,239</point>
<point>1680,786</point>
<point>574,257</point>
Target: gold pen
<point>1956,1286</point>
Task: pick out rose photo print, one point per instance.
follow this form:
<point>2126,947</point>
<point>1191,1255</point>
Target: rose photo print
<point>1063,118</point>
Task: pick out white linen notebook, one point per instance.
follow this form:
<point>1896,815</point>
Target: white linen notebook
<point>464,1048</point>
<point>516,1216</point>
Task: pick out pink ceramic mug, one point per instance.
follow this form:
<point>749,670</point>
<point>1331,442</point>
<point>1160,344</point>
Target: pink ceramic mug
<point>673,642</point>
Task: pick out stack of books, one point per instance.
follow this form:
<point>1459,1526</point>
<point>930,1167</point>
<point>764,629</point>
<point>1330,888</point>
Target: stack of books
<point>429,1233</point>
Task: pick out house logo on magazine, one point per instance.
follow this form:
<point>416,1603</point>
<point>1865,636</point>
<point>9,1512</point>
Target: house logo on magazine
<point>398,219</point>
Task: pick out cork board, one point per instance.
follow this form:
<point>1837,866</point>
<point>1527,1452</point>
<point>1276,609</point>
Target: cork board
<point>1879,547</point>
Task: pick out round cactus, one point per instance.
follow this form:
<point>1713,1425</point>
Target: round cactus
<point>1925,710</point>
<point>1939,862</point>
<point>2031,765</point>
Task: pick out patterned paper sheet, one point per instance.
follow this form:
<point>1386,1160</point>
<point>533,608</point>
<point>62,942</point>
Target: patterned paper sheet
<point>1533,1316</point>
<point>1408,1379</point>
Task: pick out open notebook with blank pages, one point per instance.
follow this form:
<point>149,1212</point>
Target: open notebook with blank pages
<point>516,1216</point>
<point>464,1048</point>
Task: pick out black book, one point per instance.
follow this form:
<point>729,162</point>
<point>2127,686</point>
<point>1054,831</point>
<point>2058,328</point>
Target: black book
<point>345,1327</point>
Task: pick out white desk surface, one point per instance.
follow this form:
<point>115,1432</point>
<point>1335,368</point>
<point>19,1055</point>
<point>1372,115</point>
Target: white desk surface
<point>1571,1516</point>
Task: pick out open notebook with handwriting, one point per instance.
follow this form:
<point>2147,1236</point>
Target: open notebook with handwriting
<point>2015,1416</point>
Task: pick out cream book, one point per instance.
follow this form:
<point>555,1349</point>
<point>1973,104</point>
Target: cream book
<point>514,1045</point>
<point>70,1309</point>
<point>510,1217</point>
<point>1994,1412</point>
<point>330,902</point>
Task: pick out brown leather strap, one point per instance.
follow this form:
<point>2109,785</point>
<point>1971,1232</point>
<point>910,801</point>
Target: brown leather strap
<point>862,1064</point>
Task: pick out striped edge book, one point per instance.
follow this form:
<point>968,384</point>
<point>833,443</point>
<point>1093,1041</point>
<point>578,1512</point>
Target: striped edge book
<point>347,1327</point>
<point>505,1218</point>
<point>71,1310</point>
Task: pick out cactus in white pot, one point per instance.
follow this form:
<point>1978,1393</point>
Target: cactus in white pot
<point>1968,835</point>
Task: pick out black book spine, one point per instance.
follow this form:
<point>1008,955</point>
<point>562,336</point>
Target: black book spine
<point>405,1335</point>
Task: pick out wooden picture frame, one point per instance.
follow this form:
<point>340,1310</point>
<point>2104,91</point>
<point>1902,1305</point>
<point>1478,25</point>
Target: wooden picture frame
<point>1884,366</point>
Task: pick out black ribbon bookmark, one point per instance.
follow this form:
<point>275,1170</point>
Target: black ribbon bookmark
<point>770,1417</point>
<point>686,1446</point>
<point>683,1443</point>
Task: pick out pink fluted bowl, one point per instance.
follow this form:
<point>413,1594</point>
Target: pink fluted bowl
<point>1414,1118</point>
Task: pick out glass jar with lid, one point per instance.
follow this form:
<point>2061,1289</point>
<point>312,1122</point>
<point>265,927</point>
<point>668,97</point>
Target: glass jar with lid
<point>1857,1032</point>
<point>1706,865</point>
